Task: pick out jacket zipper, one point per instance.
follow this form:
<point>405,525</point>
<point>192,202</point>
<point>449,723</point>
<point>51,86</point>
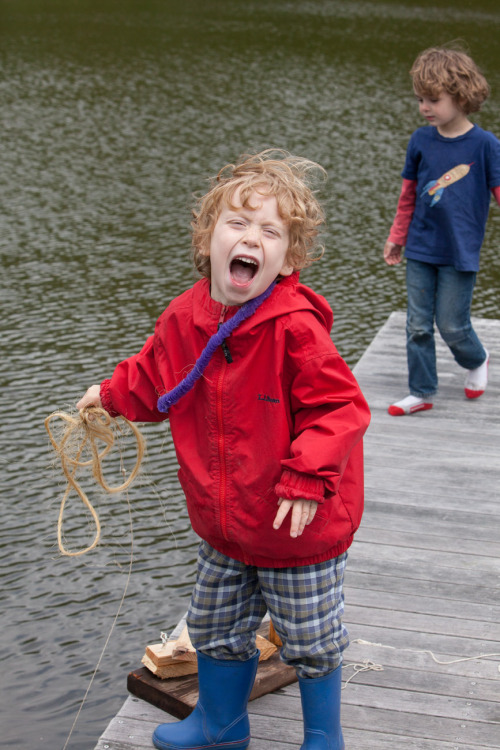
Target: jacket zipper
<point>221,440</point>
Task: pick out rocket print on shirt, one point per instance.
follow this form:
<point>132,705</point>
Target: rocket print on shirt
<point>436,187</point>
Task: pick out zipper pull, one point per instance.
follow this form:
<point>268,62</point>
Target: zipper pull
<point>227,353</point>
<point>224,346</point>
<point>222,316</point>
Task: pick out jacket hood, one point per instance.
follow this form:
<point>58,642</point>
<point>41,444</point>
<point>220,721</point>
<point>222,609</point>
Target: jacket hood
<point>289,295</point>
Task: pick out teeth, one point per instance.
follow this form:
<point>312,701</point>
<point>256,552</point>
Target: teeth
<point>250,261</point>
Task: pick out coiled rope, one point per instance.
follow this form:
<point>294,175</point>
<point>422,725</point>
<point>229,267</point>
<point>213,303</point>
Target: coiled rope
<point>84,435</point>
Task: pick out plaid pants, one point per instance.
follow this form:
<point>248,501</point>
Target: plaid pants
<point>306,605</point>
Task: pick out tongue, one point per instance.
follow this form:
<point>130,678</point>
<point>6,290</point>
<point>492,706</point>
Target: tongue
<point>241,272</point>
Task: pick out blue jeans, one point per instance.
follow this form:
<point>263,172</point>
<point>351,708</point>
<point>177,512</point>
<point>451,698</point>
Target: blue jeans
<point>443,294</point>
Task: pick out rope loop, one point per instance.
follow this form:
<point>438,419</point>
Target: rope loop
<point>86,434</point>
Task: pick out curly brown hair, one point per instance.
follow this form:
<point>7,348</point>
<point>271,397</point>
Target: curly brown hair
<point>439,69</point>
<point>271,172</point>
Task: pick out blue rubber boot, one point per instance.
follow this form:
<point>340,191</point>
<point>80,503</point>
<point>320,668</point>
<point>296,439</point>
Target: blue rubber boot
<point>220,718</point>
<point>320,698</point>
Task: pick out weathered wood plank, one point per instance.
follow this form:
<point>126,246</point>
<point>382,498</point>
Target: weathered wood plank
<point>438,590</point>
<point>127,732</point>
<point>421,567</point>
<point>361,739</point>
<point>386,717</point>
<point>422,541</point>
<point>443,646</point>
<point>416,660</point>
<point>460,524</point>
<point>418,605</point>
<point>406,495</point>
<point>452,556</point>
<point>433,624</point>
<point>429,683</point>
<point>455,484</point>
<point>464,734</point>
<point>409,701</point>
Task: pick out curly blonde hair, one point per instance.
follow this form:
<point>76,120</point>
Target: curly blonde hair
<point>439,69</point>
<point>271,172</point>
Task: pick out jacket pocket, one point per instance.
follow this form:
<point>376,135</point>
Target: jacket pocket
<point>325,531</point>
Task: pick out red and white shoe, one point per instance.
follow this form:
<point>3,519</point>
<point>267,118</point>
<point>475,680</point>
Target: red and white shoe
<point>477,380</point>
<point>410,405</point>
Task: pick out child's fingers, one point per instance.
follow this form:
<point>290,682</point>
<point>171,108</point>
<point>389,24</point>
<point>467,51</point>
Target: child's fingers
<point>313,506</point>
<point>303,512</point>
<point>392,253</point>
<point>91,398</point>
<point>285,506</point>
<point>302,515</point>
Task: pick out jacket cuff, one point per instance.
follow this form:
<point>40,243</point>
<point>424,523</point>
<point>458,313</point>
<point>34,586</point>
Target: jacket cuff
<point>106,400</point>
<point>295,486</point>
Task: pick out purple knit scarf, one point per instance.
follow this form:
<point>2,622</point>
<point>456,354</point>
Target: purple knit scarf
<point>169,399</point>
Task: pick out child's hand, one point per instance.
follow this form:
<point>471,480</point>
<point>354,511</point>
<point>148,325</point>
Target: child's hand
<point>91,398</point>
<point>392,253</point>
<point>303,512</point>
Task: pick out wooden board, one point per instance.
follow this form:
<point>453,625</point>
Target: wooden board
<point>178,695</point>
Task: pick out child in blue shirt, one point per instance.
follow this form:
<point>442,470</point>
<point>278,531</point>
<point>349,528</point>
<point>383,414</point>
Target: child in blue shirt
<point>451,168</point>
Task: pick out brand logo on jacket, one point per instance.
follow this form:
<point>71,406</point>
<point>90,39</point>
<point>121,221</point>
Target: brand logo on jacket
<point>268,399</point>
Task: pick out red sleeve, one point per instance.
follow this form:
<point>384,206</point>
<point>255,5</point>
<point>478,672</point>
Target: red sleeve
<point>404,212</point>
<point>134,387</point>
<point>496,193</point>
<point>330,417</point>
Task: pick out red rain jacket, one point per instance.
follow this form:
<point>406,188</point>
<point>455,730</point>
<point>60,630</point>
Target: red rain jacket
<point>284,419</point>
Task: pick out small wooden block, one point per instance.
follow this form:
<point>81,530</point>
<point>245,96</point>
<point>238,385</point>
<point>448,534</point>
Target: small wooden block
<point>163,661</point>
<point>174,669</point>
<point>266,648</point>
<point>184,648</point>
<point>160,653</point>
<point>163,654</point>
<point>273,635</point>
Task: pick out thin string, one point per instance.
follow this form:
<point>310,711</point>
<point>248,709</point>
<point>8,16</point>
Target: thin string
<point>83,433</point>
<point>426,651</point>
<point>367,665</point>
<point>129,573</point>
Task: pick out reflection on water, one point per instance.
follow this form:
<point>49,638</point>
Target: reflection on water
<point>113,115</point>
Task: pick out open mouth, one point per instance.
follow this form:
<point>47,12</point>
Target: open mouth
<point>243,269</point>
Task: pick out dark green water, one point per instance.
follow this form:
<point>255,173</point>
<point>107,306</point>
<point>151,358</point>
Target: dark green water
<point>112,115</point>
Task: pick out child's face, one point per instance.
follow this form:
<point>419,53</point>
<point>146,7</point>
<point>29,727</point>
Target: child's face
<point>248,250</point>
<point>440,111</point>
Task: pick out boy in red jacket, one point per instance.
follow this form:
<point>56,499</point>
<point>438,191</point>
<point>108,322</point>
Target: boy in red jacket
<point>268,428</point>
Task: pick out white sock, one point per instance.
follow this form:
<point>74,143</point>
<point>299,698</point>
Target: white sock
<point>477,379</point>
<point>410,404</point>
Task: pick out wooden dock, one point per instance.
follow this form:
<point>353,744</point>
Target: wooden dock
<point>423,580</point>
